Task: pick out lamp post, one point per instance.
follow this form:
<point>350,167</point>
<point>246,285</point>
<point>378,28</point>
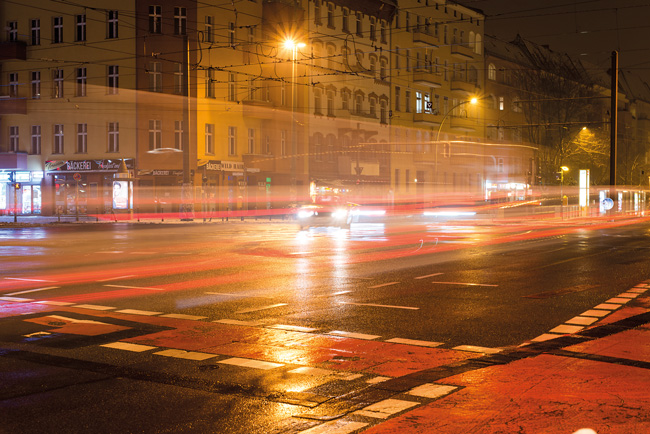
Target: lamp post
<point>562,170</point>
<point>291,44</point>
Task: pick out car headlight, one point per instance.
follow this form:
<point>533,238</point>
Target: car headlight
<point>340,214</point>
<point>303,214</point>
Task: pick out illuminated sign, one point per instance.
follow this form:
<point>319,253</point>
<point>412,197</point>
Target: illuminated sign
<point>120,194</point>
<point>5,177</point>
<point>22,177</point>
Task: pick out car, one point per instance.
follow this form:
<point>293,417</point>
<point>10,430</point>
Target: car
<point>314,215</point>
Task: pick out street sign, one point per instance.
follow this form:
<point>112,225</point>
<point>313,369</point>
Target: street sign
<point>77,176</point>
<point>608,203</point>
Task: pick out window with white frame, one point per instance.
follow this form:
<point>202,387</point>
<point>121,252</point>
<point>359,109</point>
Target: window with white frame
<point>330,15</point>
<point>35,148</point>
<point>113,137</point>
<point>57,30</point>
<point>373,106</point>
<point>359,24</point>
<point>345,22</point>
<point>57,85</point>
<point>418,102</point>
<point>81,82</point>
<point>13,84</point>
<point>251,140</point>
<point>155,134</point>
<point>318,100</point>
<point>383,111</point>
<point>358,104</point>
<point>82,138</point>
<point>112,25</point>
<point>35,25</point>
<point>209,139</point>
<point>155,77</point>
<point>398,98</point>
<point>428,107</point>
<point>382,33</point>
<point>407,101</point>
<point>208,30</point>
<point>373,29</point>
<point>113,75</point>
<point>36,84</point>
<point>492,72</point>
<point>345,100</point>
<point>232,140</point>
<point>180,21</point>
<point>178,78</point>
<point>209,83</point>
<point>502,103</point>
<point>178,134</point>
<point>283,142</point>
<point>330,102</point>
<point>12,31</point>
<point>80,28</point>
<point>58,142</point>
<point>14,139</point>
<point>155,19</point>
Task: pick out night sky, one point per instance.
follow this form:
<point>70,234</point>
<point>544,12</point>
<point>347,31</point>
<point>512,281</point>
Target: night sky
<point>588,29</point>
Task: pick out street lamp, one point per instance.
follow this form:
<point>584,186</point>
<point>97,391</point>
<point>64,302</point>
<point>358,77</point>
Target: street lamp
<point>293,45</point>
<point>562,170</point>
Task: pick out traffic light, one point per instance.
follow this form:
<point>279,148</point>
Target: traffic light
<point>17,185</point>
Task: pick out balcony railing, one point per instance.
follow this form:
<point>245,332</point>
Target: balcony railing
<point>426,78</point>
<point>422,38</point>
<point>13,106</point>
<point>16,50</point>
<point>462,51</point>
<point>463,86</point>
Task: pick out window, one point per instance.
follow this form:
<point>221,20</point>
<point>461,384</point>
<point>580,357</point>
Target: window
<point>359,24</point>
<point>80,28</point>
<point>428,108</point>
<point>36,84</point>
<point>14,139</point>
<point>318,101</point>
<point>180,21</point>
<point>57,30</point>
<point>478,44</point>
<point>330,15</point>
<point>283,94</point>
<point>178,134</point>
<point>113,83</point>
<point>81,81</point>
<point>251,140</point>
<point>155,77</point>
<point>373,29</point>
<point>57,143</point>
<point>418,102</point>
<point>35,25</point>
<point>397,63</point>
<point>330,102</point>
<point>231,34</point>
<point>382,33</point>
<point>446,150</point>
<point>283,142</point>
<point>57,87</point>
<point>382,69</point>
<point>502,103</point>
<point>345,100</point>
<point>373,107</point>
<point>407,97</point>
<point>398,98</point>
<point>373,66</point>
<point>13,84</point>
<point>345,23</point>
<point>82,138</point>
<point>113,137</point>
<point>12,31</point>
<point>317,19</point>
<point>155,134</point>
<point>36,140</point>
<point>500,165</point>
<point>232,87</point>
<point>178,78</point>
<point>155,19</point>
<point>267,144</point>
<point>209,138</point>
<point>407,24</point>
<point>208,32</point>
<point>209,83</point>
<point>492,72</point>
<point>408,59</point>
<point>382,112</point>
<point>111,25</point>
<point>232,140</point>
<point>358,104</point>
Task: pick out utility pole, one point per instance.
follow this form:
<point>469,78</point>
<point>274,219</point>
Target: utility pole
<point>187,197</point>
<point>613,126</point>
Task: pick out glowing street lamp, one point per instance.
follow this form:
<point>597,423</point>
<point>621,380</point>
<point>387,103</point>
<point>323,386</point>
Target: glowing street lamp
<point>293,45</point>
<point>472,101</point>
<point>562,170</point>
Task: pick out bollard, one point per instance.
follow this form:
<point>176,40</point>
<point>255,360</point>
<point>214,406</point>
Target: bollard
<point>137,210</point>
<point>97,214</point>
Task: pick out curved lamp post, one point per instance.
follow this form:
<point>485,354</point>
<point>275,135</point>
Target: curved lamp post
<point>562,170</point>
<point>293,45</point>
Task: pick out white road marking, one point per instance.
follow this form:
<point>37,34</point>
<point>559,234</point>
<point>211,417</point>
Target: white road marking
<point>335,427</point>
<point>33,290</point>
<point>94,307</point>
<point>256,309</point>
<point>138,312</point>
<point>380,305</point>
<point>30,280</point>
<point>54,303</point>
<point>428,275</point>
<point>353,335</point>
<point>292,328</point>
<point>136,348</point>
<point>386,408</point>
<point>116,278</point>
<point>431,391</point>
<point>383,284</point>
<point>618,300</point>
<point>314,372</point>
<point>112,252</point>
<point>545,337</point>
<point>376,380</point>
<point>414,342</point>
<point>597,313</point>
<point>566,329</point>
<point>349,377</point>
<point>334,294</point>
<point>249,363</point>
<point>228,294</point>
<point>183,316</point>
<point>629,295</point>
<point>17,299</point>
<point>638,290</point>
<point>466,284</point>
<point>136,287</point>
<point>475,349</point>
<point>188,355</point>
<point>608,306</point>
<point>581,320</point>
<point>238,323</point>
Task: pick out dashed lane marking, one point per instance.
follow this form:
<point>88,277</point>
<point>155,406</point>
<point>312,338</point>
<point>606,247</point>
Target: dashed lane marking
<point>33,290</point>
<point>629,295</point>
<point>135,287</point>
<point>138,312</point>
<point>249,363</point>
<point>94,307</point>
<point>608,306</point>
<point>292,328</point>
<point>618,300</point>
<point>380,305</point>
<point>239,323</point>
<point>476,349</point>
<point>354,335</point>
<point>335,427</point>
<point>595,312</point>
<point>383,284</point>
<point>188,355</point>
<point>136,348</point>
<point>386,408</point>
<point>414,342</point>
<point>465,283</point>
<point>566,329</point>
<point>432,391</point>
<point>30,280</point>
<point>116,278</point>
<point>581,320</point>
<point>183,316</point>
<point>256,309</point>
<point>111,252</point>
<point>428,275</point>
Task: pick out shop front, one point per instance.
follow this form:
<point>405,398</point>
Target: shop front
<point>87,186</point>
<point>20,192</point>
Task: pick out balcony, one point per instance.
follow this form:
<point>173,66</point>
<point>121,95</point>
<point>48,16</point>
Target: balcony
<point>463,124</point>
<point>16,50</point>
<point>12,106</point>
<point>425,39</point>
<point>259,109</point>
<point>462,51</point>
<point>463,86</point>
<point>426,78</point>
<point>426,119</point>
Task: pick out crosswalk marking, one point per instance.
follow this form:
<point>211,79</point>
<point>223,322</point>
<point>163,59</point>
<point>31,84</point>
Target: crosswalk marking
<point>432,391</point>
<point>136,348</point>
<point>249,363</point>
<point>414,342</point>
<point>188,355</point>
<point>386,408</point>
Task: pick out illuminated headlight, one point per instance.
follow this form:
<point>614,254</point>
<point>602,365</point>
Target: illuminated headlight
<point>303,214</point>
<point>340,214</point>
